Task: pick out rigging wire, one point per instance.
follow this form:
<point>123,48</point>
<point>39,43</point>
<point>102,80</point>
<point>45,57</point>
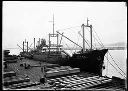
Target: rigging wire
<point>30,45</point>
<point>115,62</point>
<point>73,29</point>
<point>113,65</point>
<point>77,43</point>
<point>98,37</point>
<point>68,46</point>
<point>84,39</point>
<point>103,47</point>
<point>78,32</point>
<point>115,68</point>
<point>67,28</point>
<point>108,52</point>
<point>73,46</point>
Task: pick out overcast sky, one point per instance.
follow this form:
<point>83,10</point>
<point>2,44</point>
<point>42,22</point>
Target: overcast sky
<point>29,19</point>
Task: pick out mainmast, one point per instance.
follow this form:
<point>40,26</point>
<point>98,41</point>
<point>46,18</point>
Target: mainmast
<point>91,35</point>
<point>23,46</point>
<point>87,21</point>
<point>53,35</point>
<point>83,38</point>
<point>34,43</point>
<point>90,26</point>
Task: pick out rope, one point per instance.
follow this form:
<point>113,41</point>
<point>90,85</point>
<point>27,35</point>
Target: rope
<point>98,37</point>
<point>84,39</point>
<point>112,65</point>
<point>115,68</point>
<point>113,59</point>
<point>78,33</point>
<point>115,62</point>
<point>30,45</point>
<point>74,32</point>
<point>74,46</point>
<point>108,51</point>
<point>67,28</point>
<point>103,47</point>
<point>68,47</point>
<point>77,43</point>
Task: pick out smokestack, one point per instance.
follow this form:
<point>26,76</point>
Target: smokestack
<point>27,46</point>
<point>23,46</point>
<point>34,43</point>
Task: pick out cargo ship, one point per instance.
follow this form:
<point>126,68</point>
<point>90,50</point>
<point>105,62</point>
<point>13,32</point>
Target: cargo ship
<point>90,60</point>
<point>50,67</point>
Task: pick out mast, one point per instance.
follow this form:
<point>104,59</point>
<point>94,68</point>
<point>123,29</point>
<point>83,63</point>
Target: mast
<point>57,43</point>
<point>83,39</point>
<point>49,43</point>
<point>87,21</point>
<point>34,43</point>
<point>90,26</point>
<point>27,46</point>
<point>91,35</point>
<point>23,46</point>
<point>53,35</point>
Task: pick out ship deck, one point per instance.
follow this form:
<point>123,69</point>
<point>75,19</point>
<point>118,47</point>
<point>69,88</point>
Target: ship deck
<point>34,74</point>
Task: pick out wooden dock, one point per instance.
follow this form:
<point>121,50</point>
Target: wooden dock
<point>76,80</point>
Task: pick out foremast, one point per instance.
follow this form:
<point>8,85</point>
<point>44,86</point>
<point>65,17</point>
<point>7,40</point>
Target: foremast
<point>90,26</point>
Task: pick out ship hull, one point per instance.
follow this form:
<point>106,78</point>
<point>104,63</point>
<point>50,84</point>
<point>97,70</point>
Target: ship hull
<point>91,61</point>
<point>45,58</point>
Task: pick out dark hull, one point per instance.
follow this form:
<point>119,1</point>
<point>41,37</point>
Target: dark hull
<point>91,61</point>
